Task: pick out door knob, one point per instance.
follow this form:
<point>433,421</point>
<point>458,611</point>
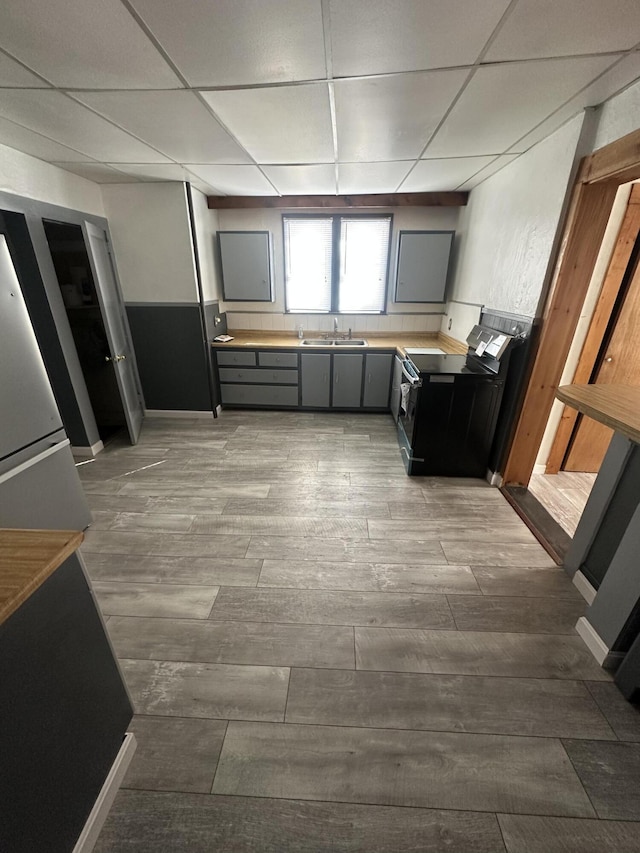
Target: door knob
<point>609,359</point>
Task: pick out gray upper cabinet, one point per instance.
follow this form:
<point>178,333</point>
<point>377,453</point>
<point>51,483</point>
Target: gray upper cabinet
<point>377,380</point>
<point>347,380</point>
<point>316,379</point>
<point>423,261</point>
<point>245,258</point>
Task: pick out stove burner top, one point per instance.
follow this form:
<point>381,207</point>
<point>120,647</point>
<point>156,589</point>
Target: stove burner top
<point>441,364</point>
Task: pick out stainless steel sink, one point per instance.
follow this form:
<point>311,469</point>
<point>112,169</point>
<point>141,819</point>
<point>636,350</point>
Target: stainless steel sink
<point>327,342</point>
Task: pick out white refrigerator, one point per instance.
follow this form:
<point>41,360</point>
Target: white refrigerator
<point>39,485</point>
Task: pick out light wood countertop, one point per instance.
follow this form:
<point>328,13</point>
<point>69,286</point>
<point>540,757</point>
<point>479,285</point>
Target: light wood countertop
<point>615,406</point>
<point>27,558</point>
<point>375,340</point>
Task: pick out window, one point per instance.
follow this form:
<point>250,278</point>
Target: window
<point>336,263</point>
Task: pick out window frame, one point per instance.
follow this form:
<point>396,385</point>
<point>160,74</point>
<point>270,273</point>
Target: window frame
<point>336,224</point>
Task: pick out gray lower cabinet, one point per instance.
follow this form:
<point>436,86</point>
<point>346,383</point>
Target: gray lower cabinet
<point>259,395</point>
<point>313,380</point>
<point>347,380</point>
<point>315,369</point>
<point>377,380</point>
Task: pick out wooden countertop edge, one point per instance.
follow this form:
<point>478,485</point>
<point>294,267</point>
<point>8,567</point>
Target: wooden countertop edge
<point>27,559</point>
<point>246,338</point>
<point>615,406</point>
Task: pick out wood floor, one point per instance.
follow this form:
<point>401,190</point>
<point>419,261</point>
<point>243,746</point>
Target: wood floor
<point>327,655</point>
<point>564,495</point>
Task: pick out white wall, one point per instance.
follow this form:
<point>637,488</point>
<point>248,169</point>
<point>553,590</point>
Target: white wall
<point>206,225</point>
<point>619,116</point>
<point>408,317</point>
<point>151,233</point>
<point>29,177</point>
<point>507,230</point>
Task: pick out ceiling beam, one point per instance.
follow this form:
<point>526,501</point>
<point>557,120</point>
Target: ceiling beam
<point>441,199</point>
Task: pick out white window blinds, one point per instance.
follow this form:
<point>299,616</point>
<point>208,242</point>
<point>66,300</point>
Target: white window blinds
<point>308,257</point>
<point>364,251</point>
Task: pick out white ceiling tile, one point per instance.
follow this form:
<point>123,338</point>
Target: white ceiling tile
<point>83,43</point>
<point>233,180</point>
<point>371,177</point>
<point>32,143</point>
<point>154,171</point>
<point>283,124</point>
<point>205,188</point>
<point>391,118</point>
<point>503,102</point>
<point>445,174</point>
<point>98,172</point>
<point>235,42</point>
<point>53,114</point>
<point>621,75</point>
<point>175,122</point>
<point>377,36</point>
<point>493,167</point>
<point>539,28</point>
<point>319,179</point>
<point>13,74</point>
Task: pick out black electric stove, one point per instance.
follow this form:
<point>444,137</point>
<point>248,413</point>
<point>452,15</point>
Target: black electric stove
<point>450,406</point>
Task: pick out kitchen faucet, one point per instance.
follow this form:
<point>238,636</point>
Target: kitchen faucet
<point>335,325</point>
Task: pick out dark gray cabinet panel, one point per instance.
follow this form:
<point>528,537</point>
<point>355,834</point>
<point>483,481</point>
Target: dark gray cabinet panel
<point>316,379</point>
<point>377,380</point>
<point>264,376</point>
<point>278,359</point>
<point>63,714</point>
<point>235,357</point>
<point>347,380</point>
<point>423,261</point>
<point>245,257</point>
<point>259,395</point>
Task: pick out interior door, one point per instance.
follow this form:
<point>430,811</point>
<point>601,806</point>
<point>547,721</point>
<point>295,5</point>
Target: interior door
<point>619,365</point>
<point>116,326</point>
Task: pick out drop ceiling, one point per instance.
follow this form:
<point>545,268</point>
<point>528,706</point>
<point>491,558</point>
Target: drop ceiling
<point>283,97</point>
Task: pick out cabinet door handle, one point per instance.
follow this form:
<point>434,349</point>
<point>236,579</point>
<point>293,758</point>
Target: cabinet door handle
<point>369,379</point>
<point>326,378</point>
<point>336,377</point>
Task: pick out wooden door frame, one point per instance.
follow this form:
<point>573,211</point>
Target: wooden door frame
<point>613,281</point>
<point>599,176</point>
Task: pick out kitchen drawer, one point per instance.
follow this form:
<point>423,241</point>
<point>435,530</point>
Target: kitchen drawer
<point>278,359</point>
<point>259,395</point>
<point>236,357</point>
<point>266,376</point>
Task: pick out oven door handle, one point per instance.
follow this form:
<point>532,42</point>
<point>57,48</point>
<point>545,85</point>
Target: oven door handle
<point>413,380</point>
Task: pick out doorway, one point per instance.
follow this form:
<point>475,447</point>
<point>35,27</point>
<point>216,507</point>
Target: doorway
<point>77,285</point>
<point>603,352</point>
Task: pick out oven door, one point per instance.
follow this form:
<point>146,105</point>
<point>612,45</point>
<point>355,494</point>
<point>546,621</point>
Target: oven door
<point>411,386</point>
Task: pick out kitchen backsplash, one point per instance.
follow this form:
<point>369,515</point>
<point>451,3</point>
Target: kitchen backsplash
<point>324,322</point>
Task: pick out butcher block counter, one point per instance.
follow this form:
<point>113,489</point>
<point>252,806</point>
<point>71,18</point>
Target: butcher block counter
<point>27,558</point>
<point>615,406</point>
<point>375,340</point>
<point>65,709</point>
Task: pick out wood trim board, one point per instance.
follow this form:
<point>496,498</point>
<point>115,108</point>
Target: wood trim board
<point>613,280</point>
<point>435,199</point>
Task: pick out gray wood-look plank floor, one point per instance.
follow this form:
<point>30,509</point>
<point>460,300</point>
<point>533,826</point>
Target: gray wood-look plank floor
<point>327,655</point>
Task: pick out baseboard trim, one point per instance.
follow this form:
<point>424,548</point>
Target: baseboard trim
<point>91,830</point>
<point>87,452</point>
<point>597,646</point>
<point>540,468</point>
<point>583,586</point>
<point>176,413</point>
